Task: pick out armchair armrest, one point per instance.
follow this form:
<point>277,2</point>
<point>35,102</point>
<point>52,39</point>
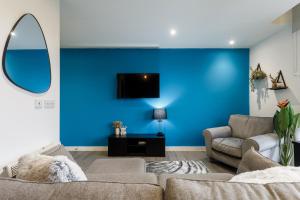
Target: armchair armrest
<point>260,142</point>
<point>212,133</point>
<point>218,132</point>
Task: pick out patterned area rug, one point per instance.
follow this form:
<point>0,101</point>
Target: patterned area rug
<point>176,167</point>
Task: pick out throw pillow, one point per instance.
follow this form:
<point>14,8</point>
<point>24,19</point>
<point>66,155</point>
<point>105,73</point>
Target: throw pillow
<point>252,160</point>
<point>42,168</point>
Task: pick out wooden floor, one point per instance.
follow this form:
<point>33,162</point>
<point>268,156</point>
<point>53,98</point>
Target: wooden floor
<point>85,159</point>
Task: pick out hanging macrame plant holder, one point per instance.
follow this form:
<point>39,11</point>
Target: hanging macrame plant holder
<point>257,74</point>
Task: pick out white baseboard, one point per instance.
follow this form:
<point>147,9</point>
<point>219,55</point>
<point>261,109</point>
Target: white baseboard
<point>185,148</point>
<point>86,148</point>
<point>104,148</point>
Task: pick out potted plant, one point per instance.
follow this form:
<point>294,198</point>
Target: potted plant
<point>256,74</point>
<point>286,123</point>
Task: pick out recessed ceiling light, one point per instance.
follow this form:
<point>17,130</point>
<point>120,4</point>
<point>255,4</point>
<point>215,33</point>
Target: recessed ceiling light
<point>231,42</point>
<point>13,33</point>
<point>173,32</point>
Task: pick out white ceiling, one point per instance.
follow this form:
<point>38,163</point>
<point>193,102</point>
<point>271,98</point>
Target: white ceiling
<point>146,23</point>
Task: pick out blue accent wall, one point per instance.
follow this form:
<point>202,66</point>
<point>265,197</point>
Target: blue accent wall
<point>29,69</point>
<point>200,88</point>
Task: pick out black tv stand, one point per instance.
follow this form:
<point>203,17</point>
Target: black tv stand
<point>136,145</point>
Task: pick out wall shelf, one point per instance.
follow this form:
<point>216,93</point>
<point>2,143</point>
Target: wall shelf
<point>280,88</point>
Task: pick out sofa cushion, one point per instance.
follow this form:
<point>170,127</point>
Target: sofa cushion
<point>117,165</point>
<point>162,179</point>
<point>252,161</point>
<point>149,178</point>
<point>230,146</point>
<point>243,126</point>
<point>178,189</point>
<point>91,190</point>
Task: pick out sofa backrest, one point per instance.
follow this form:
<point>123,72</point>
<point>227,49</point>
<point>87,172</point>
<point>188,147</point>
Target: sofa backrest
<point>190,189</point>
<point>59,150</point>
<point>244,126</point>
<point>91,190</point>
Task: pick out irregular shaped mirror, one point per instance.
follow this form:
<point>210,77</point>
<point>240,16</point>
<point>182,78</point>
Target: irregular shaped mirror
<point>25,59</point>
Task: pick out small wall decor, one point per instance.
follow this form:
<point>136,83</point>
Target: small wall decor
<point>117,126</point>
<point>278,83</point>
<point>256,74</point>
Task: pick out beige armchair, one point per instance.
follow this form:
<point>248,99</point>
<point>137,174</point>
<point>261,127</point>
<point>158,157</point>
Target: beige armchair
<point>229,143</point>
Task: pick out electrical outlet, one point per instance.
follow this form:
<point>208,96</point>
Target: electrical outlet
<point>49,104</point>
<point>38,104</point>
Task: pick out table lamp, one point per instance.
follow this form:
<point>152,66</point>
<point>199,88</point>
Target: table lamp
<point>159,114</point>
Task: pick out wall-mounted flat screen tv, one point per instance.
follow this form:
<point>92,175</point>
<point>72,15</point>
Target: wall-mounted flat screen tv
<point>141,85</point>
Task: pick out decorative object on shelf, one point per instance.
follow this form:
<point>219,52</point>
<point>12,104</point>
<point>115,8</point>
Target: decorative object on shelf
<point>278,83</point>
<point>159,114</point>
<point>256,74</point>
<point>117,126</point>
<point>286,123</point>
<point>123,131</point>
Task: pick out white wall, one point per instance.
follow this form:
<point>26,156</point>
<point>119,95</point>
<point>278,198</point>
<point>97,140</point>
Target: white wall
<point>274,54</point>
<point>22,127</point>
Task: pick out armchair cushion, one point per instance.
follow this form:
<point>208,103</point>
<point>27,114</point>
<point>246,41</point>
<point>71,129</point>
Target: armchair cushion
<point>231,146</point>
<point>260,142</point>
<point>248,126</point>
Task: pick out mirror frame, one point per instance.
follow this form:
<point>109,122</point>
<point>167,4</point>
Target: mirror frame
<point>5,51</point>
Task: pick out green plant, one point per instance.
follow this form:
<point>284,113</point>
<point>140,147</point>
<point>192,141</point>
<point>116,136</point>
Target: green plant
<point>256,74</point>
<point>286,123</point>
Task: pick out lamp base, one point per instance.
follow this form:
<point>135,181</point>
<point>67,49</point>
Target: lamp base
<point>160,134</point>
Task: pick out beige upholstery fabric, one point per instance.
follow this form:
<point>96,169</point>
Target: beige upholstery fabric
<point>252,161</point>
<point>149,178</point>
<point>212,133</point>
<point>91,190</point>
<point>4,174</point>
<point>231,146</point>
<point>179,189</point>
<point>227,159</point>
<point>248,126</point>
<point>117,165</point>
<point>162,179</point>
<point>59,150</point>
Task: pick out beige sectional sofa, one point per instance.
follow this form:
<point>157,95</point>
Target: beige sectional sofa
<point>114,179</point>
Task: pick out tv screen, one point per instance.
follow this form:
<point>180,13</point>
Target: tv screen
<point>138,85</point>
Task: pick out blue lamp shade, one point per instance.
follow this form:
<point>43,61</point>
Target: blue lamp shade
<point>159,114</point>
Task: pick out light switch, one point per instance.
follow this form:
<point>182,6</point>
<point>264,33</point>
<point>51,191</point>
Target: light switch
<point>49,104</point>
<point>38,104</point>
